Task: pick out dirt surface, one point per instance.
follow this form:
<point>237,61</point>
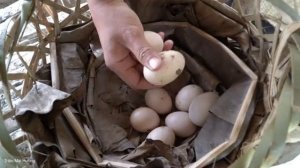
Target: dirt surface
<point>5,3</point>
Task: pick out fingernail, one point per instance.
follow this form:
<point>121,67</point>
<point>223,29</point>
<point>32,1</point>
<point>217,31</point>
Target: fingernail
<point>154,62</point>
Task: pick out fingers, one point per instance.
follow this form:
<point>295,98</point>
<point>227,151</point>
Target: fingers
<point>168,45</point>
<point>135,80</point>
<point>134,40</point>
<point>162,35</point>
<point>130,71</point>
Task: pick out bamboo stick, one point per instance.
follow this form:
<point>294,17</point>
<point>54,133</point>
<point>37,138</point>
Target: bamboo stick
<point>74,15</point>
<point>29,71</point>
<point>8,114</point>
<point>74,123</point>
<point>64,9</point>
<point>77,128</point>
<point>57,27</point>
<point>20,48</point>
<point>41,9</point>
<point>15,76</point>
<point>41,44</point>
<point>77,8</point>
<point>18,93</point>
<point>27,81</point>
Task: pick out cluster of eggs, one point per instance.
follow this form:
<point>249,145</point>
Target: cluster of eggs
<point>192,104</point>
<point>192,109</point>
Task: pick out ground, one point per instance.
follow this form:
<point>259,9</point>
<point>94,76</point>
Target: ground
<point>4,3</point>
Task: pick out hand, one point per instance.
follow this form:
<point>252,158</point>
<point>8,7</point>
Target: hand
<point>122,38</point>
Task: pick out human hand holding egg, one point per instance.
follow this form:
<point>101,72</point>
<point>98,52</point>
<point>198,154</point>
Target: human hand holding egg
<point>122,39</point>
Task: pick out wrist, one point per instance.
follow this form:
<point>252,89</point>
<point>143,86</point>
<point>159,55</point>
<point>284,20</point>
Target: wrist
<point>109,2</point>
<point>104,5</point>
<point>101,7</point>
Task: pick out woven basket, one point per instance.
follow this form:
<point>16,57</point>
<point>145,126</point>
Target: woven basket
<point>267,94</point>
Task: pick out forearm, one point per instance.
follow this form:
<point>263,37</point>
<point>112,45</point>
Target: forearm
<point>109,14</point>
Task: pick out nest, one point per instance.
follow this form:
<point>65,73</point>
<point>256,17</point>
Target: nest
<point>102,103</point>
<point>81,109</point>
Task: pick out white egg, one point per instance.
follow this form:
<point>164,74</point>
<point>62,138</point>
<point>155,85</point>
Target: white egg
<point>144,119</point>
<point>186,95</point>
<point>154,40</point>
<point>164,134</point>
<point>181,124</point>
<point>200,106</point>
<point>173,63</point>
<point>159,100</point>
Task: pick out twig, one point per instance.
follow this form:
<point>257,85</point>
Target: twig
<point>74,123</point>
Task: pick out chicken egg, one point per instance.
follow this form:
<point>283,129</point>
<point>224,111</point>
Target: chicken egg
<point>186,95</point>
<point>200,106</point>
<point>159,100</point>
<point>144,119</point>
<point>154,40</point>
<point>180,123</point>
<point>172,65</point>
<point>164,134</point>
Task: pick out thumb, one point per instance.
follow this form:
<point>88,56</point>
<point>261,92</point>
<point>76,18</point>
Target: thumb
<point>135,41</point>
